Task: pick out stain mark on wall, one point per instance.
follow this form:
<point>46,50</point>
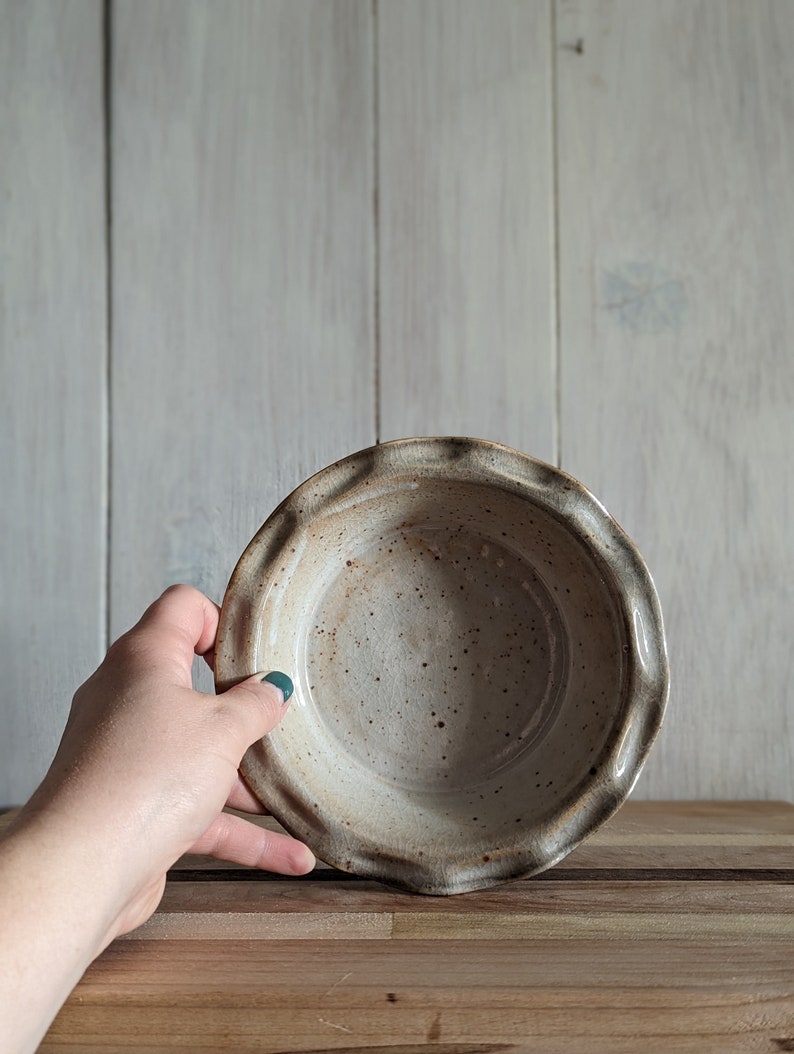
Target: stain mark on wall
<point>644,298</point>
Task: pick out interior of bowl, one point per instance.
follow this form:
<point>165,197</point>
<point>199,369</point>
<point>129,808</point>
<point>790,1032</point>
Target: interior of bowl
<point>472,695</point>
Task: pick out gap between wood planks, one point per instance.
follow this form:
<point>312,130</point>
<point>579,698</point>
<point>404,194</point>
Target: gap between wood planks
<point>580,874</point>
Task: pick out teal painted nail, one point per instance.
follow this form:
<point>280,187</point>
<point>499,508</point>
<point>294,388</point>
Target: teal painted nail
<point>280,680</point>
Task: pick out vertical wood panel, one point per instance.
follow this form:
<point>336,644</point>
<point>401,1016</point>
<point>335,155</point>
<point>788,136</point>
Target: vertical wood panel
<point>243,329</point>
<point>467,339</point>
<point>676,153</point>
<point>52,369</point>
<point>243,322</point>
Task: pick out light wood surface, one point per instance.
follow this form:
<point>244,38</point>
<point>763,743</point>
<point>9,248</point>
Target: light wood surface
<point>676,205</point>
<point>649,955</point>
<point>52,374</point>
<point>466,264</point>
<point>242,275</point>
<point>337,219</point>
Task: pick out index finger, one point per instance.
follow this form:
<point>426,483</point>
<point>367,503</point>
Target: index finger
<point>181,623</point>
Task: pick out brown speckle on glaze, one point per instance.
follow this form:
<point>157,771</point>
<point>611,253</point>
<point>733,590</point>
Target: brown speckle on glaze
<point>452,612</point>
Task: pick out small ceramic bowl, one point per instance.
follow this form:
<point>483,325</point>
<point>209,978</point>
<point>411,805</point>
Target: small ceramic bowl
<point>478,657</point>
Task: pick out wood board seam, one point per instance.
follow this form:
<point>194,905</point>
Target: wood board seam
<point>376,248</point>
<point>783,875</point>
<point>107,132</point>
<point>495,926</point>
<point>555,204</point>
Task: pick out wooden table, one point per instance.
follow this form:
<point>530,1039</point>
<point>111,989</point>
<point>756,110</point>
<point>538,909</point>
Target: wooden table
<point>671,930</point>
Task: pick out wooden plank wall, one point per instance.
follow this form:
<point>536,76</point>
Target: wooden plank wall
<point>466,275</point>
<point>243,275</point>
<point>676,215</point>
<point>53,365</point>
<point>563,225</point>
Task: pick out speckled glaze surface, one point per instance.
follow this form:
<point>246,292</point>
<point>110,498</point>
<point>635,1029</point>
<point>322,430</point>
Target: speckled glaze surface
<point>478,656</point>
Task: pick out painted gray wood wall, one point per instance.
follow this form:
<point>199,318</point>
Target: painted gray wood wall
<point>242,238</point>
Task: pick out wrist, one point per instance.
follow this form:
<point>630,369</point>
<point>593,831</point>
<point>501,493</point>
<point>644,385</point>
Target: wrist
<point>58,867</point>
<point>56,916</point>
<point>99,841</point>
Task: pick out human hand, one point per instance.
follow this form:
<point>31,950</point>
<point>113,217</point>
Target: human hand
<point>146,764</point>
<point>141,776</point>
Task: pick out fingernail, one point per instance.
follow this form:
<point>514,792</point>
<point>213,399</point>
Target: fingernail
<point>280,680</point>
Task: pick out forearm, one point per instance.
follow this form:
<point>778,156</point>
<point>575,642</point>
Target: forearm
<point>55,918</point>
<point>141,776</point>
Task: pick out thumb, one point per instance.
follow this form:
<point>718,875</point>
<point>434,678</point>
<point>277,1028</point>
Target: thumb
<point>258,703</point>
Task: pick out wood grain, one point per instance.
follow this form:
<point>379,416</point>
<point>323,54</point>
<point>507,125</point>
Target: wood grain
<point>714,915</point>
<point>261,154</point>
<point>206,903</point>
<point>608,900</point>
<point>466,297</point>
<point>243,322</point>
<point>604,964</point>
<point>699,997</point>
<point>52,365</point>
<point>676,147</point>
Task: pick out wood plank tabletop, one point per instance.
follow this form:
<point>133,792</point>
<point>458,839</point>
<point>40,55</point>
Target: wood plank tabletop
<point>670,930</point>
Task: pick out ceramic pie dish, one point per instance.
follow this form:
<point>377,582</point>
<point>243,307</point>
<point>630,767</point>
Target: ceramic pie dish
<point>478,656</point>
